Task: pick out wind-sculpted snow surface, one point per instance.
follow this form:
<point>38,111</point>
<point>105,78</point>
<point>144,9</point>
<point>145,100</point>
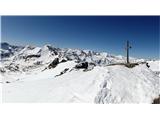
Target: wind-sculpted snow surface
<point>125,85</point>
<point>49,74</point>
<point>155,66</point>
<point>113,84</point>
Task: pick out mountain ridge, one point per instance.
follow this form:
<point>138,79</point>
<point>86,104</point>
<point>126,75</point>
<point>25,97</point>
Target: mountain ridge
<point>50,74</point>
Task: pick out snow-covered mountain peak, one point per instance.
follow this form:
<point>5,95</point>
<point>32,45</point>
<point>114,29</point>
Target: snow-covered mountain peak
<point>46,54</point>
<point>29,50</point>
<point>47,47</point>
<point>5,46</point>
<point>8,50</point>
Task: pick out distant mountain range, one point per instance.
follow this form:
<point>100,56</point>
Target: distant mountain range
<point>51,74</point>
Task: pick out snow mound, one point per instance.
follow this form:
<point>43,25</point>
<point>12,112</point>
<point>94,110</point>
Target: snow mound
<point>154,65</point>
<point>125,85</point>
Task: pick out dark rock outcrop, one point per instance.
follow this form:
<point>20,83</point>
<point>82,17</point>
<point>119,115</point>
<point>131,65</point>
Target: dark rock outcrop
<point>147,65</point>
<point>31,56</point>
<point>54,63</point>
<point>64,71</point>
<point>156,100</point>
<point>63,61</point>
<point>12,67</point>
<point>83,65</point>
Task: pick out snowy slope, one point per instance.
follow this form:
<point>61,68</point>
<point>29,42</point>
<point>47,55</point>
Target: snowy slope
<point>125,85</point>
<point>74,86</point>
<point>113,84</point>
<point>155,66</point>
<point>26,77</point>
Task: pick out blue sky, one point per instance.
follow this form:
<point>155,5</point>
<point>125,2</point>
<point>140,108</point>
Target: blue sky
<point>99,33</point>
